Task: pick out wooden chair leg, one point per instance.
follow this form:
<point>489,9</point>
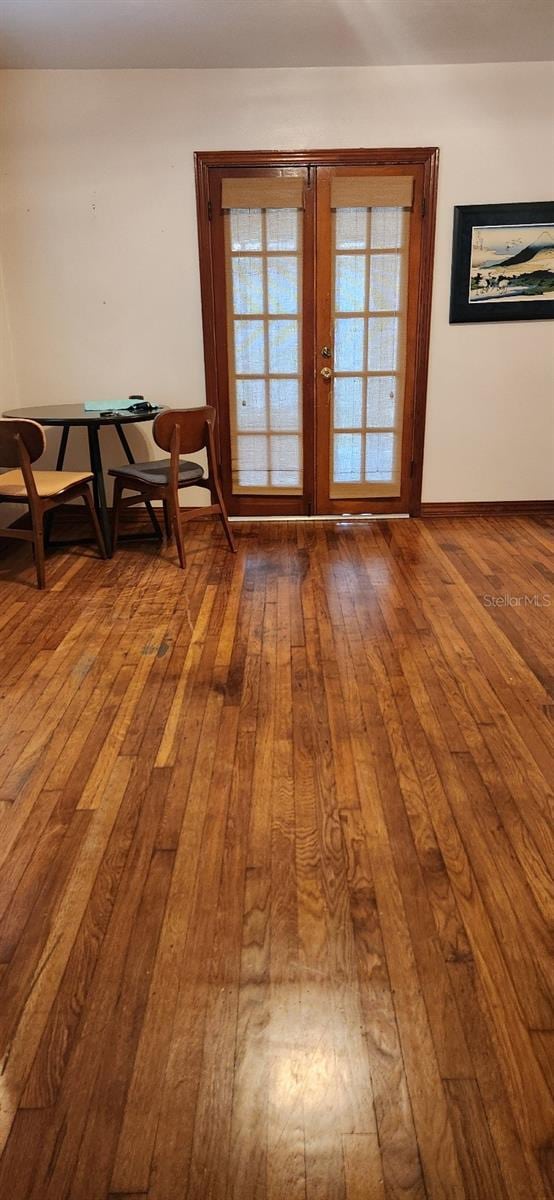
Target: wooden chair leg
<point>37,521</point>
<point>177,528</point>
<point>117,490</point>
<point>167,520</point>
<point>223,514</point>
<point>94,521</point>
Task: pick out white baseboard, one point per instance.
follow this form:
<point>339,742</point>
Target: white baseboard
<point>338,518</point>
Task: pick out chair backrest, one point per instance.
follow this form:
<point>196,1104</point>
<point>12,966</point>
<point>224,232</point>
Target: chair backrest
<point>12,434</point>
<point>192,424</point>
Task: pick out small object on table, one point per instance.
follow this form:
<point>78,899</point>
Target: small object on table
<point>106,405</point>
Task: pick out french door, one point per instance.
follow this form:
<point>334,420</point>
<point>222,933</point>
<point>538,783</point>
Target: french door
<point>316,277</point>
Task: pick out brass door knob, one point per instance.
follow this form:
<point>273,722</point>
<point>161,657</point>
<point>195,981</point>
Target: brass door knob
<point>326,372</point>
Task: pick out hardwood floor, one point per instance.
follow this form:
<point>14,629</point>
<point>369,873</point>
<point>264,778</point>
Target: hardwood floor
<point>275,838</point>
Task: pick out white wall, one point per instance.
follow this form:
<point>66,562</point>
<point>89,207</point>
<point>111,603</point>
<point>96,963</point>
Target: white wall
<point>98,236</point>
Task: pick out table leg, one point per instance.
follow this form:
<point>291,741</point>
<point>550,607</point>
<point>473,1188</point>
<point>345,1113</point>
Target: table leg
<point>49,516</point>
<point>124,443</point>
<point>63,448</point>
<point>130,459</point>
<point>98,486</point>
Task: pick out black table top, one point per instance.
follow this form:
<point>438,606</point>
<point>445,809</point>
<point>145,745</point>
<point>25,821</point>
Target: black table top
<point>74,414</point>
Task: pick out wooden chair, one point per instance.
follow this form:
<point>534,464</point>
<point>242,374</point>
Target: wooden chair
<point>179,431</point>
<point>21,443</point>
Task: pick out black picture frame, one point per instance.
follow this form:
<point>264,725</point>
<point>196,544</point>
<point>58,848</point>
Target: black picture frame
<point>468,216</point>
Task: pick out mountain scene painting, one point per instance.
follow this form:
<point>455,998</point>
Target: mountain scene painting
<point>511,262</point>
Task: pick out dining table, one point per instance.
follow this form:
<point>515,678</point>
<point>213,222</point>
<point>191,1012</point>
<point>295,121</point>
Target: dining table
<point>70,416</point>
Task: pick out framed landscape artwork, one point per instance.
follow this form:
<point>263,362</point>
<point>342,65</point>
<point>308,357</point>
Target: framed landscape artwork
<point>503,262</point>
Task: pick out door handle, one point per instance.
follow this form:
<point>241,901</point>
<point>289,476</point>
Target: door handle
<point>326,372</point>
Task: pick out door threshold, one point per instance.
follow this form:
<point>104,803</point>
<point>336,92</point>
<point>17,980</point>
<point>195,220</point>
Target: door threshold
<point>340,518</point>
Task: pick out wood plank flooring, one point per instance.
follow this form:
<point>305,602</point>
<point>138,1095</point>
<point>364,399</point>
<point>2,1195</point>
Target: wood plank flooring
<point>274,866</point>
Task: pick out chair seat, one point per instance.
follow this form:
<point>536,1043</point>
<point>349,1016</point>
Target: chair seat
<point>157,472</point>
<point>48,483</point>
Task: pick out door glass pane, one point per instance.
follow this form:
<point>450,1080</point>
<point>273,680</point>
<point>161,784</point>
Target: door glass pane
<point>384,282</point>
<point>264,272</point>
<point>379,457</point>
<point>246,229</point>
<point>347,457</point>
<point>284,404</point>
<point>248,286</point>
<point>249,347</point>
<point>387,228</point>
<point>382,343</point>
<point>369,278</point>
<point>348,401</point>
<point>381,401</point>
<point>283,347</point>
<point>350,295</point>
<point>253,461</point>
<point>349,343</point>
<point>351,229</point>
<point>251,404</point>
<point>282,285</point>
<point>281,229</point>
<point>285,461</point>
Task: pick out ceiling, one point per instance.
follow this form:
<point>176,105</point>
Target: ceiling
<point>272,33</point>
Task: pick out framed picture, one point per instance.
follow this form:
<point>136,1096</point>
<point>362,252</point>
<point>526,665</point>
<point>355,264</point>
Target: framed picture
<point>502,262</point>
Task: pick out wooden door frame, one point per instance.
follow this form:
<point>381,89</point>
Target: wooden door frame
<point>428,158</point>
